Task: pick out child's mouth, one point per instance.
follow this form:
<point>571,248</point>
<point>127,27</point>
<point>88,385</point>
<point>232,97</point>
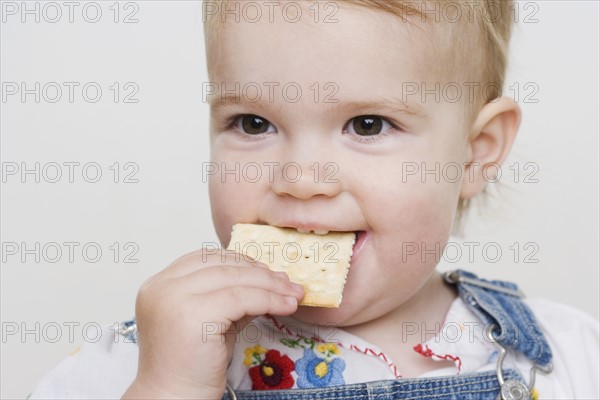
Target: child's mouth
<point>361,238</point>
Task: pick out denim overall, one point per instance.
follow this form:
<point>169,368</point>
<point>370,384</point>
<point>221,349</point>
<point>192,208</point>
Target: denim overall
<point>509,324</point>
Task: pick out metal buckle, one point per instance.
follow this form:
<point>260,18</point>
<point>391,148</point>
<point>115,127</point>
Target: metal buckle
<point>453,278</point>
<point>512,389</point>
<point>126,329</point>
<point>231,392</point>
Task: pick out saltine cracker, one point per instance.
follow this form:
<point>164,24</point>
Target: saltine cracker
<point>319,263</point>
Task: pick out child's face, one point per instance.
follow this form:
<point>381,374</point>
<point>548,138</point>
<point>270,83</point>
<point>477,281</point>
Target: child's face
<point>366,180</point>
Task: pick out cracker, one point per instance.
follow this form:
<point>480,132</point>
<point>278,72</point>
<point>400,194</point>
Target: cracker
<point>319,263</point>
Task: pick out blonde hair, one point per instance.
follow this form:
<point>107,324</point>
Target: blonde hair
<point>474,47</point>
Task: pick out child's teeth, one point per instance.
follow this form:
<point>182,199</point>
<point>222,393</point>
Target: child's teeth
<point>316,232</point>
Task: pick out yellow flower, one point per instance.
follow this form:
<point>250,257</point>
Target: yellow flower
<point>321,369</point>
<point>250,352</point>
<point>325,347</point>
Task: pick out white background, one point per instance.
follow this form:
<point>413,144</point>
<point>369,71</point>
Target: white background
<point>167,212</point>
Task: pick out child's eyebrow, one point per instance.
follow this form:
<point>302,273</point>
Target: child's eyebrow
<point>217,103</point>
<point>394,105</point>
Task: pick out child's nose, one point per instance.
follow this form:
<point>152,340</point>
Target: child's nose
<point>305,180</point>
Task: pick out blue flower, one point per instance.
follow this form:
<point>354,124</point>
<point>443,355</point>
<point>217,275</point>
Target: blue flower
<point>316,372</point>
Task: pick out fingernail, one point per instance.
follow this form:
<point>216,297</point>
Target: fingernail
<point>291,300</point>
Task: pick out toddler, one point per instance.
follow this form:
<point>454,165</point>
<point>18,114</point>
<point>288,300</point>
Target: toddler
<point>328,109</point>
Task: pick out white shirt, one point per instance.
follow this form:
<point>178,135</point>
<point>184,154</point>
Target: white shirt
<point>105,369</point>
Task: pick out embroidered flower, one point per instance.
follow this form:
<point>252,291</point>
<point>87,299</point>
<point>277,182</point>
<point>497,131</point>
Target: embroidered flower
<point>316,372</point>
<point>328,349</point>
<point>274,372</point>
<point>253,355</point>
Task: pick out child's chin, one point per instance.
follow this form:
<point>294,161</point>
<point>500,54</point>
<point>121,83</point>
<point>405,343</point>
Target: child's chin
<point>341,316</point>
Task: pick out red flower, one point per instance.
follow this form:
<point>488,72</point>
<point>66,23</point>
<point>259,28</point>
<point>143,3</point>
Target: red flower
<point>274,372</point>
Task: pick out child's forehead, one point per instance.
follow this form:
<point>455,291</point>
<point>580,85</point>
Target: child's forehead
<point>369,61</point>
<point>357,42</point>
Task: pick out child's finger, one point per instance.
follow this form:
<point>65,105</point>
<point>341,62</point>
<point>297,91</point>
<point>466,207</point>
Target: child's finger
<point>238,302</point>
<point>197,260</point>
<point>223,276</point>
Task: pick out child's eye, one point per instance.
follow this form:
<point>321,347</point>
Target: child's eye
<point>253,124</point>
<point>368,125</point>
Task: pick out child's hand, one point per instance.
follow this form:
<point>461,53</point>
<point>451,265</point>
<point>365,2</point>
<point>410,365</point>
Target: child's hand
<point>187,316</point>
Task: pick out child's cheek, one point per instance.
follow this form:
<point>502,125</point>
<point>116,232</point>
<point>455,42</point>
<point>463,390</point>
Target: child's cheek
<point>226,204</point>
<point>419,220</point>
<point>234,199</point>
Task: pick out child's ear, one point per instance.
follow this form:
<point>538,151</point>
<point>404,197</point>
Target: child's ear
<point>490,139</point>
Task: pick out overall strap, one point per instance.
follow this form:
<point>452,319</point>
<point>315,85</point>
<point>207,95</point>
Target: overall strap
<point>476,386</point>
<point>498,304</point>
